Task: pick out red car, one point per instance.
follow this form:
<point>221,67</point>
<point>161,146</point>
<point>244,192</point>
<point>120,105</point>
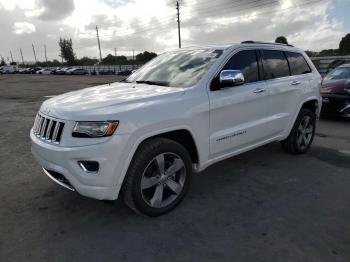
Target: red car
<point>336,92</point>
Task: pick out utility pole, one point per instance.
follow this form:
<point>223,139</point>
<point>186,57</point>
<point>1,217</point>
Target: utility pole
<point>20,50</point>
<point>178,21</point>
<point>11,56</point>
<point>45,53</point>
<point>34,54</point>
<point>133,54</point>
<point>115,52</point>
<point>98,40</point>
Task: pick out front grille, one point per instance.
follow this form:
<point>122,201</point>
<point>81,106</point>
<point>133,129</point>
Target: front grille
<point>48,129</point>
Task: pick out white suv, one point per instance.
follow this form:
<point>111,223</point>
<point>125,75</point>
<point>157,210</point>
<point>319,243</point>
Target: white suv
<point>181,112</point>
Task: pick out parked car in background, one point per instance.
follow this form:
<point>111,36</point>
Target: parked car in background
<point>23,70</point>
<point>44,71</point>
<point>336,92</point>
<point>55,70</point>
<point>76,71</point>
<point>8,69</point>
<point>62,71</point>
<point>34,70</point>
<point>180,113</point>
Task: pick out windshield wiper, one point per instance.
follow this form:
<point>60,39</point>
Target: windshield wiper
<point>157,83</point>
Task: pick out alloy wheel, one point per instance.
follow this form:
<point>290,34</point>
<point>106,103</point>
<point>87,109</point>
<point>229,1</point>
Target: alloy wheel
<point>163,180</point>
<point>305,132</point>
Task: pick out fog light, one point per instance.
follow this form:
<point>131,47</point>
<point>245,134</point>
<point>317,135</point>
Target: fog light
<point>89,166</point>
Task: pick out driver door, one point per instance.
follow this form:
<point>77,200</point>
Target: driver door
<point>239,114</point>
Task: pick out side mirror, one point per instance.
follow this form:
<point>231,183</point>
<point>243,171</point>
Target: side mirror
<point>231,78</point>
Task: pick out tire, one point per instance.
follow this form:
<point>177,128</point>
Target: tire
<point>302,134</point>
<point>149,190</point>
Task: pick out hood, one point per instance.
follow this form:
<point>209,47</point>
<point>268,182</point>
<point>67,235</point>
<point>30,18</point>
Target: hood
<point>106,99</point>
<point>336,86</point>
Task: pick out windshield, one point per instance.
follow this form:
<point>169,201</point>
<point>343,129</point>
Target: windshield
<point>338,74</point>
<point>182,68</point>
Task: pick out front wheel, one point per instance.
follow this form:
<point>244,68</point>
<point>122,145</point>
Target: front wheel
<point>302,134</point>
<point>158,177</point>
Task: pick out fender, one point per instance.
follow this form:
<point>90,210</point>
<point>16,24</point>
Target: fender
<point>291,123</point>
<point>142,138</point>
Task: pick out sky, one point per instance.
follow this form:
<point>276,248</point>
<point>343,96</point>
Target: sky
<point>151,25</point>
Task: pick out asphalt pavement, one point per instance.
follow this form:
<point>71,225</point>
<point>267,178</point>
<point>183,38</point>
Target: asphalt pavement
<point>264,205</point>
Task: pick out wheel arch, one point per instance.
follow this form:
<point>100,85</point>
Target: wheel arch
<point>182,135</point>
<point>313,103</point>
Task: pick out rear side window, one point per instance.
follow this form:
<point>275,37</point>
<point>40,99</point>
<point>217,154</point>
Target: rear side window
<point>297,63</point>
<point>275,64</point>
<point>247,62</point>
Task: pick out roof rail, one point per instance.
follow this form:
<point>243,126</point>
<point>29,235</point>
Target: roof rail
<point>265,43</point>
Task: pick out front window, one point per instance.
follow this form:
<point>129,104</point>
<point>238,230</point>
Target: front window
<point>338,74</point>
<point>182,68</point>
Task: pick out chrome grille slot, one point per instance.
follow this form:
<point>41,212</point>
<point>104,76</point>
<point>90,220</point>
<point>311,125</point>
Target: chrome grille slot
<point>48,129</point>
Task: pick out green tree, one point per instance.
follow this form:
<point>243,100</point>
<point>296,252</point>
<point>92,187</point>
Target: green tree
<point>145,56</point>
<point>281,40</point>
<point>329,52</point>
<point>66,46</point>
<point>2,63</point>
<point>344,45</point>
<point>110,60</point>
<point>87,61</point>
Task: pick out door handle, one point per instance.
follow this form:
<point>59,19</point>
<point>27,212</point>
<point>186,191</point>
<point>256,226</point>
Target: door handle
<point>259,90</point>
<point>295,83</point>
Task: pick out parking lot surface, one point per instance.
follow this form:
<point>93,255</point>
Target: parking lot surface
<point>264,205</point>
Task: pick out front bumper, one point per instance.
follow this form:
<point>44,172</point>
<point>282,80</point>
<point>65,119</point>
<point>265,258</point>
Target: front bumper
<point>334,104</point>
<point>64,160</point>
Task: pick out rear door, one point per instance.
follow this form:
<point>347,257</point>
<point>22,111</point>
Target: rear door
<point>238,114</point>
<point>285,85</point>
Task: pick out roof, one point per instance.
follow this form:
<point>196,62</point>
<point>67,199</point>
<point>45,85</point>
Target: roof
<point>245,43</point>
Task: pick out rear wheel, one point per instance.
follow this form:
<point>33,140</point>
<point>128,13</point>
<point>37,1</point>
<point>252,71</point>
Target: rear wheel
<point>158,177</point>
<point>302,134</point>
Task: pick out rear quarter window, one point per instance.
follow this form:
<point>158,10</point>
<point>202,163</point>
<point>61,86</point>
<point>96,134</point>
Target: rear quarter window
<point>297,63</point>
<point>275,64</point>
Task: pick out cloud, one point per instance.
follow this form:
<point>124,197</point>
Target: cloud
<point>23,28</point>
<point>115,3</point>
<point>55,9</point>
<point>151,25</point>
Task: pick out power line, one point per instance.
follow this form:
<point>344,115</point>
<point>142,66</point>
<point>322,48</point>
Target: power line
<point>11,56</point>
<point>132,36</point>
<point>178,22</point>
<point>45,53</point>
<point>98,41</point>
<point>20,50</point>
<point>36,61</point>
<point>168,21</point>
<point>265,12</point>
<point>190,13</point>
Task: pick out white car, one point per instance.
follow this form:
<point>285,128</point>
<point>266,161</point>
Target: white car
<point>44,71</point>
<point>180,113</point>
<point>8,69</point>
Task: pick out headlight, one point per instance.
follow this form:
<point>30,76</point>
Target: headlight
<point>94,129</point>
